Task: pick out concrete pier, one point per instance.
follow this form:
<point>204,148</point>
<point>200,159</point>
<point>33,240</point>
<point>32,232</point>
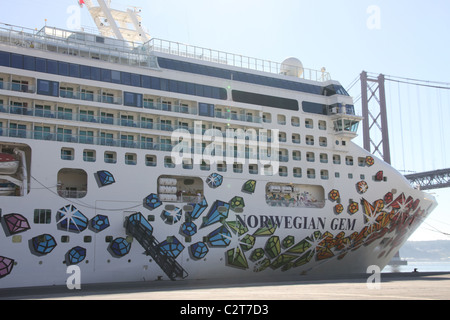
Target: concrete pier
<point>391,286</point>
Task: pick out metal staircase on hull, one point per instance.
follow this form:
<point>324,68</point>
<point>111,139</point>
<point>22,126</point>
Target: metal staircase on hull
<point>152,248</point>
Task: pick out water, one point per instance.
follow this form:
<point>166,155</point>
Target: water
<point>421,266</point>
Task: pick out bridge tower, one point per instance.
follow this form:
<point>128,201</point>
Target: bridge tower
<point>375,125</point>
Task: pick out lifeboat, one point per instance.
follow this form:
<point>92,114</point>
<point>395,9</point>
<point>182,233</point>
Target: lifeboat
<point>8,163</point>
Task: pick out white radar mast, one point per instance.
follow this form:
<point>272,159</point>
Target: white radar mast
<point>122,25</point>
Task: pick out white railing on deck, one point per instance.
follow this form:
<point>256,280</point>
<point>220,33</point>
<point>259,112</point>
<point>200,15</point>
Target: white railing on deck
<point>88,45</point>
<point>230,59</point>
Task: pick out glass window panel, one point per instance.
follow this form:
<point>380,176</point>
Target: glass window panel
<point>115,76</point>
<point>156,83</point>
<point>199,90</point>
<point>135,80</point>
<point>126,78</point>
<point>95,73</point>
<point>173,86</point>
<point>16,61</point>
<point>74,70</point>
<point>164,84</point>
<point>63,68</point>
<point>43,87</point>
<point>52,66</point>
<point>146,82</point>
<point>85,72</point>
<point>29,63</point>
<point>106,75</point>
<point>4,59</point>
<point>190,88</point>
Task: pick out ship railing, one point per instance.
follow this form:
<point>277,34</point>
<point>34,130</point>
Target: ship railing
<point>42,133</point>
<point>47,113</point>
<point>92,46</point>
<point>123,122</point>
<point>72,194</point>
<point>78,44</point>
<point>294,203</point>
<point>19,87</point>
<point>88,96</point>
<point>230,59</point>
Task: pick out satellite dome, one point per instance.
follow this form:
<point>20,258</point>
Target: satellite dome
<point>292,67</point>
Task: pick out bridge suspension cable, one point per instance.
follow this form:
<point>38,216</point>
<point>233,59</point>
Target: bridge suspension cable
<point>417,111</point>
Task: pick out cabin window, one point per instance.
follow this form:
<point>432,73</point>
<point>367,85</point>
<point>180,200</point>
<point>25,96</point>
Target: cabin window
<point>206,109</point>
<point>295,195</point>
<point>110,157</point>
<point>48,88</point>
<point>89,155</point>
<point>67,154</point>
<point>42,216</point>
<point>150,161</point>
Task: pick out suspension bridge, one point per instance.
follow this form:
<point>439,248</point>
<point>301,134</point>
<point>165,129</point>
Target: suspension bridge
<point>405,123</point>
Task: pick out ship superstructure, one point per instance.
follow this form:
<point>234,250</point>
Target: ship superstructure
<point>158,160</point>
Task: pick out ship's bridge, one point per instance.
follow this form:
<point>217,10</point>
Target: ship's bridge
<point>345,121</point>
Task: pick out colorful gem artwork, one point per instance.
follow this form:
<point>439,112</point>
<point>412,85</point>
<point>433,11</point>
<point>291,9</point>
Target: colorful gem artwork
<point>221,237</point>
<point>273,247</point>
<point>370,161</point>
<point>152,202</point>
<point>214,180</point>
<point>236,258</point>
<point>171,247</point>
<point>241,242</point>
<point>379,176</point>
<point>16,223</point>
<point>237,202</point>
<point>334,195</point>
<point>43,244</point>
<point>104,178</point>
<point>199,208</point>
<point>99,223</point>
<point>6,266</point>
<point>353,208</point>
<point>120,247</point>
<point>172,216</point>
<point>188,229</point>
<point>69,218</point>
<point>249,186</point>
<point>199,250</point>
<point>362,187</point>
<point>76,255</point>
<point>219,210</point>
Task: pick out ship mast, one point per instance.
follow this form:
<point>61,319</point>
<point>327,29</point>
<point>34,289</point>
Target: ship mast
<point>122,25</point>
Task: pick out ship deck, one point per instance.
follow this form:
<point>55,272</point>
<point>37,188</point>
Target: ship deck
<point>393,286</point>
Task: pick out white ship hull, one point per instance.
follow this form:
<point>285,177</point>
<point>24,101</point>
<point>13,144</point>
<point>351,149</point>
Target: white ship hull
<point>305,241</point>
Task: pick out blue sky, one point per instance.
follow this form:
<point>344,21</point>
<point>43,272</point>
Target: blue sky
<point>406,38</point>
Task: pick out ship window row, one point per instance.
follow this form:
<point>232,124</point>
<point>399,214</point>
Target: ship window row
<point>88,93</point>
<point>295,121</point>
<point>265,100</point>
<point>250,78</point>
<point>61,68</point>
<point>337,108</point>
<point>116,97</point>
<point>160,142</point>
<point>110,157</point>
<point>154,142</point>
<point>147,121</point>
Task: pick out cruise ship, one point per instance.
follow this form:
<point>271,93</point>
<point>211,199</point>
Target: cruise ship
<point>128,158</point>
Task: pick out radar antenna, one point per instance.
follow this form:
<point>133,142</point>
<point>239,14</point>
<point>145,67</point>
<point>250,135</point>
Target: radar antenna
<point>122,25</point>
